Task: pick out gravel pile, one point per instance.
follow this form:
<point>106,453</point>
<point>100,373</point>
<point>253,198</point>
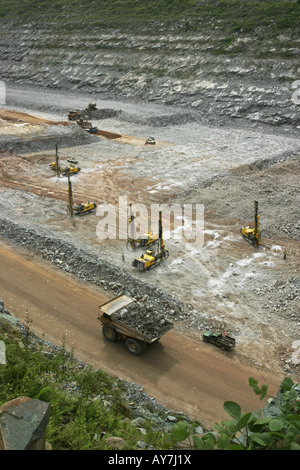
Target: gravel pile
<point>145,316</point>
<point>283,299</point>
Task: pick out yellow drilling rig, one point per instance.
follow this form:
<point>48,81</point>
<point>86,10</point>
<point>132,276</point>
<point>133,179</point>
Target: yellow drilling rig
<point>252,234</point>
<point>145,240</point>
<point>70,198</point>
<point>151,258</point>
<point>69,170</point>
<point>81,208</point>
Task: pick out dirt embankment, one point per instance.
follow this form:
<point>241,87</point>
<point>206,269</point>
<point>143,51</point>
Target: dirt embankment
<point>19,117</point>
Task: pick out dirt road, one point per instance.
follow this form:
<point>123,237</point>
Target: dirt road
<point>181,374</point>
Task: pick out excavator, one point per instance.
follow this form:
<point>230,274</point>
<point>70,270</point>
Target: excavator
<point>145,240</point>
<point>252,234</point>
<point>151,259</point>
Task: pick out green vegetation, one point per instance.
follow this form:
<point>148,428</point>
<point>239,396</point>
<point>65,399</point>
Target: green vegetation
<point>229,16</point>
<point>85,404</point>
<point>233,27</point>
<point>249,431</point>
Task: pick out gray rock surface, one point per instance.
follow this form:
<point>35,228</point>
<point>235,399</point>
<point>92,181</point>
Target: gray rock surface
<point>23,423</point>
<point>177,69</point>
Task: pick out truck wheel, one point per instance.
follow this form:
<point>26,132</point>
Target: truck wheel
<point>109,333</point>
<point>133,346</point>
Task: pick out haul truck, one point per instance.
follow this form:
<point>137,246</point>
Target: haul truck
<point>114,328</point>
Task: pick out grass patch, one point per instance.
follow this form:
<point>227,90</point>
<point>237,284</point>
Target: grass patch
<point>264,21</point>
<point>85,404</point>
<point>229,15</point>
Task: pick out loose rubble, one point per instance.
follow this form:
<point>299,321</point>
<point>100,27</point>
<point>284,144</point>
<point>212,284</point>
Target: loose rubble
<point>145,317</point>
<point>97,271</point>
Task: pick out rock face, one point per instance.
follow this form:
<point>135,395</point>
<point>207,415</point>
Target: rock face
<point>183,69</point>
<point>23,423</point>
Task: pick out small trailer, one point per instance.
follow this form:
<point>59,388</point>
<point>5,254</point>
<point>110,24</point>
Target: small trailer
<point>224,341</point>
<point>114,329</point>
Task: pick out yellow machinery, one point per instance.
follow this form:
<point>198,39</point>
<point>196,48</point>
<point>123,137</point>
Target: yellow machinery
<point>151,259</point>
<point>84,207</point>
<point>69,170</point>
<point>55,165</point>
<point>72,169</point>
<point>252,234</point>
<point>80,209</point>
<point>70,197</point>
<point>145,240</point>
<point>75,115</point>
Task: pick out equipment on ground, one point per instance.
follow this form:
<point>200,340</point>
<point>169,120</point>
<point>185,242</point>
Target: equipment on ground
<point>150,141</point>
<point>224,341</point>
<point>69,170</point>
<point>86,125</point>
<point>79,209</point>
<point>84,207</point>
<point>72,160</point>
<point>145,240</point>
<point>75,115</point>
<point>114,329</point>
<point>151,258</point>
<point>252,234</point>
<point>81,117</point>
<point>92,107</point>
<point>81,114</point>
<point>55,165</point>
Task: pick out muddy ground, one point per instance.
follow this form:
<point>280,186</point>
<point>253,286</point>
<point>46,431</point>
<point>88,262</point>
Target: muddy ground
<point>225,283</point>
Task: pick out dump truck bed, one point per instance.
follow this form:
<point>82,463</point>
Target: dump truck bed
<point>111,307</point>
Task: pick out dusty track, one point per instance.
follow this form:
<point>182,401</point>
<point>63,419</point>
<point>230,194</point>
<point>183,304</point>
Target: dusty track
<point>16,116</point>
<point>182,374</point>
